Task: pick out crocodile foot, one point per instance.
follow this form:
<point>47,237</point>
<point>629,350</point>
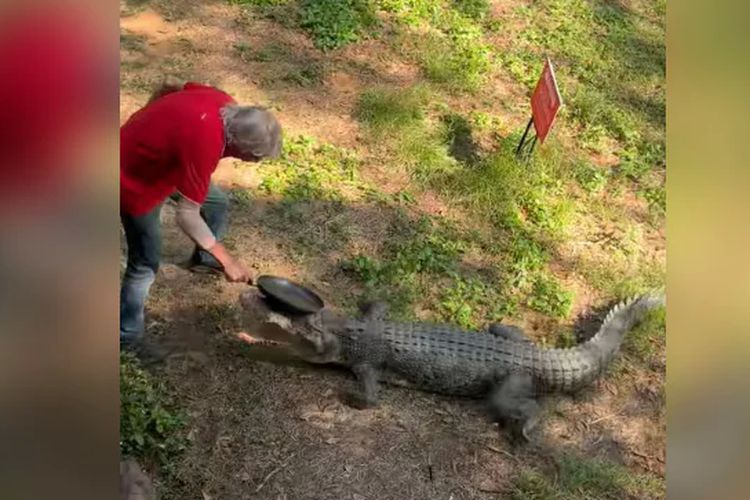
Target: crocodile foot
<point>512,404</point>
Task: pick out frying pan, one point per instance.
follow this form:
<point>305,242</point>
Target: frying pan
<point>288,296</point>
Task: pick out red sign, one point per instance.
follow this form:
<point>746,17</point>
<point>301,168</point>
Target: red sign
<point>545,102</point>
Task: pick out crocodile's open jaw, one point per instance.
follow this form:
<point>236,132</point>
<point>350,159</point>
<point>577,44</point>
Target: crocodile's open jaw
<point>264,327</point>
<point>306,337</point>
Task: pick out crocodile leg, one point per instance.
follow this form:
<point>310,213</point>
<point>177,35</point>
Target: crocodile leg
<point>374,311</point>
<point>513,405</point>
<point>508,332</point>
<point>367,376</point>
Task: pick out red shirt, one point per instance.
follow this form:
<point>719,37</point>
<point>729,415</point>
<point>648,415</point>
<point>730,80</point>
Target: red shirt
<point>173,144</point>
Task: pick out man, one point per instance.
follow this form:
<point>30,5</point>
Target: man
<point>171,147</point>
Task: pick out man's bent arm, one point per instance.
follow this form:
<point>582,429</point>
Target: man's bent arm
<point>190,221</point>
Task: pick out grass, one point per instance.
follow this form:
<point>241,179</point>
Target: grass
<point>416,252</point>
<point>527,204</point>
<point>308,170</point>
<point>611,67</point>
<point>335,23</point>
<point>445,39</point>
<point>150,427</point>
<point>647,340</point>
<point>583,478</point>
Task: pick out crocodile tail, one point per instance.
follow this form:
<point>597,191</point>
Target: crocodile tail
<point>603,346</point>
<point>571,368</point>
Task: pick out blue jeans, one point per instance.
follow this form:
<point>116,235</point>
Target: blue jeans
<point>143,235</point>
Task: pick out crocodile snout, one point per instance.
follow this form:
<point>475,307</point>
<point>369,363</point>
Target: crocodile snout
<point>249,299</point>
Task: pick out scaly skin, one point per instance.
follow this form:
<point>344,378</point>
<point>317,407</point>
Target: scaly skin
<point>501,364</point>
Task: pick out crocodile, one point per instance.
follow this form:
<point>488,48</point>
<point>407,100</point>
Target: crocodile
<point>500,364</point>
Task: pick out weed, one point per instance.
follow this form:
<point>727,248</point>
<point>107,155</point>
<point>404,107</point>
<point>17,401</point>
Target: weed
<point>645,340</point>
<point>267,53</point>
<point>335,23</point>
<point>397,119</point>
<point>452,51</point>
<point>150,428</point>
<point>418,251</point>
<point>527,257</point>
<point>585,478</point>
<point>566,338</point>
<point>462,302</point>
<point>389,112</point>
<point>548,297</point>
<point>241,198</point>
<point>656,196</point>
<point>591,178</point>
<point>474,9</point>
<point>308,170</point>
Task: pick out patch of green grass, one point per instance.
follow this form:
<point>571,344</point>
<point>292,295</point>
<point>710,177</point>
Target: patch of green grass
<point>474,9</point>
<point>506,191</point>
<point>311,171</point>
<point>577,478</point>
<point>241,198</point>
<point>648,338</point>
<point>548,297</point>
<point>620,281</point>
<point>445,39</point>
<point>150,427</point>
<point>397,120</point>
<point>416,253</point>
<point>471,302</point>
<point>389,112</point>
<point>610,65</point>
<point>528,203</point>
<point>590,177</point>
<point>335,23</point>
<point>459,61</point>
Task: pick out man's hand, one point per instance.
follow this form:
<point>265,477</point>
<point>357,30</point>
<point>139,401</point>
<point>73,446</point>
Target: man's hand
<point>237,273</point>
<point>233,270</point>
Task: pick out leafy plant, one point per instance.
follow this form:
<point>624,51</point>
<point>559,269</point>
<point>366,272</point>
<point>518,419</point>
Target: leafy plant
<point>335,23</point>
<point>591,178</point>
<point>308,170</point>
<point>548,297</point>
<point>150,427</point>
<point>475,9</point>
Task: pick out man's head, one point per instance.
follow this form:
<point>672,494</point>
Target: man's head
<point>252,133</point>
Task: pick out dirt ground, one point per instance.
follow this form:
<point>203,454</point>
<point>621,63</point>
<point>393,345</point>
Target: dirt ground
<point>270,430</point>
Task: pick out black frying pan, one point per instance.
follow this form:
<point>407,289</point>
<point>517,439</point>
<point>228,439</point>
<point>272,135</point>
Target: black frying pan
<point>288,296</point>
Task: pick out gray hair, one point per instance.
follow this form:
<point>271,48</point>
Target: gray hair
<point>252,130</point>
